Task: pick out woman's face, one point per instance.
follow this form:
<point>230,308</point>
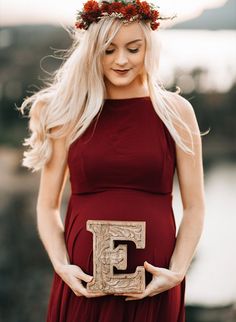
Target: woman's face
<point>123,61</point>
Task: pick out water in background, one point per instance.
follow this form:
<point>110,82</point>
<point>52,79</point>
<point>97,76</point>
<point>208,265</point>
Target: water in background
<point>213,52</point>
<point>211,280</point>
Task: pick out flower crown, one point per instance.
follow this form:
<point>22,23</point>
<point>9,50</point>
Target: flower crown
<point>126,10</point>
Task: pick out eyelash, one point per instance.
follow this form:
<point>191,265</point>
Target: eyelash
<point>133,51</point>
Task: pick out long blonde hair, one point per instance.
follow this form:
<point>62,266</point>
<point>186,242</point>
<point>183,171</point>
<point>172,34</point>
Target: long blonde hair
<point>75,94</point>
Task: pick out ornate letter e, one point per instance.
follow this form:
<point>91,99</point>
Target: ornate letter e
<point>105,256</point>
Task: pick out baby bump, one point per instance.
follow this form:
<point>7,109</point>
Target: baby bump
<point>121,205</point>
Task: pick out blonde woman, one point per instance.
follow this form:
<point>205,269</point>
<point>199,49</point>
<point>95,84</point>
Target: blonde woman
<point>106,121</point>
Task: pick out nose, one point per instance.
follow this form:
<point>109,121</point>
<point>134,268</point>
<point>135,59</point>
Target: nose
<point>121,58</point>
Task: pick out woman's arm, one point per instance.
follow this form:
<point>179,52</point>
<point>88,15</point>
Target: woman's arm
<point>191,183</point>
<point>49,223</point>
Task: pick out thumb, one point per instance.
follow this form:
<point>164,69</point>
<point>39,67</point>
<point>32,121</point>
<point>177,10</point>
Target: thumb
<point>87,278</point>
<point>83,276</point>
<point>149,267</point>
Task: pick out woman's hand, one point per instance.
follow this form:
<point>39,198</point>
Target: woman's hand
<point>73,276</point>
<point>162,280</point>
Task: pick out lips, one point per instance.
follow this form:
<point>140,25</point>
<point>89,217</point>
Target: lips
<point>121,71</point>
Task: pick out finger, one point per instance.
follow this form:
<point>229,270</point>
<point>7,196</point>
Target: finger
<point>150,268</point>
<point>137,295</point>
<point>77,293</point>
<point>83,276</point>
<point>84,292</point>
<point>153,294</point>
<point>122,294</point>
<point>82,289</point>
<point>131,294</point>
<point>89,295</point>
<point>150,289</point>
<point>133,298</point>
<point>96,295</point>
<point>86,278</point>
<point>79,288</point>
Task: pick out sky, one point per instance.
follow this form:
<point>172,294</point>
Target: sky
<point>64,11</point>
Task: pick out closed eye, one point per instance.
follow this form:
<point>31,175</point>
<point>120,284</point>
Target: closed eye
<point>108,52</point>
<point>133,51</point>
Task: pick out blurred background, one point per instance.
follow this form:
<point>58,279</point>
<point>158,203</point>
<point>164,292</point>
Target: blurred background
<point>198,55</point>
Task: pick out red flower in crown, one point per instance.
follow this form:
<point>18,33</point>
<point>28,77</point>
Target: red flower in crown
<point>91,5</point>
<point>116,7</point>
<point>155,14</point>
<point>144,8</point>
<point>105,7</point>
<point>91,11</point>
<point>126,10</point>
<point>155,25</point>
<point>129,11</point>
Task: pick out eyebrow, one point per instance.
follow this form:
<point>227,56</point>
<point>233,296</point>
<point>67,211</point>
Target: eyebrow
<point>130,42</point>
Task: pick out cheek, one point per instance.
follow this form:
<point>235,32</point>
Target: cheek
<point>142,57</point>
<point>138,62</point>
<point>104,67</point>
<point>106,60</point>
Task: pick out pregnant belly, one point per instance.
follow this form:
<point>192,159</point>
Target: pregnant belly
<point>122,205</point>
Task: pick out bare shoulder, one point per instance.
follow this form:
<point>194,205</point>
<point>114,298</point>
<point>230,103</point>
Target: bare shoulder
<point>184,107</point>
<point>185,110</point>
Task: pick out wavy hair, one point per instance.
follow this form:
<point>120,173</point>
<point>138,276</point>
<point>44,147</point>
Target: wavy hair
<point>75,94</point>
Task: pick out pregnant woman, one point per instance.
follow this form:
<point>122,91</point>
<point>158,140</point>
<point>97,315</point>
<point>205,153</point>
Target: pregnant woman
<point>106,122</point>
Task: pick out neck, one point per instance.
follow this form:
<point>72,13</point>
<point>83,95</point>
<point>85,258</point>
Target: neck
<point>132,90</point>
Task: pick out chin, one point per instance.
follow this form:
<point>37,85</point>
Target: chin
<point>120,83</point>
<point>116,81</point>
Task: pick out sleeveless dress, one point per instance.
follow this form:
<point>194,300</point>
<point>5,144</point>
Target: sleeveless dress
<point>121,168</point>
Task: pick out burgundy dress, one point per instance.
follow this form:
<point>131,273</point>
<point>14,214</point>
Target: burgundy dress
<point>121,168</point>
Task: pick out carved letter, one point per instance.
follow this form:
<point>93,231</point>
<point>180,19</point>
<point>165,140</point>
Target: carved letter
<point>105,256</point>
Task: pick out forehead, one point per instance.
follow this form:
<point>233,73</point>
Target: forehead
<point>128,33</point>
